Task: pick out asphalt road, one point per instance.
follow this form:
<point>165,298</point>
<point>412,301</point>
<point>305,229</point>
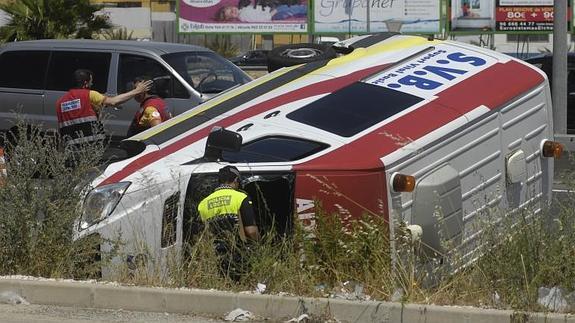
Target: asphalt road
<point>51,314</point>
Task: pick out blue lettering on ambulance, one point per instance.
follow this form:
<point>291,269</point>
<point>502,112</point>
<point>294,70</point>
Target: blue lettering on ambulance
<point>446,73</point>
<point>462,58</point>
<point>419,82</point>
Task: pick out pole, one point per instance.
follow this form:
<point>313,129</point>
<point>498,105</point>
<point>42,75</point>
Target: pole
<point>368,16</point>
<point>559,86</point>
<point>151,24</point>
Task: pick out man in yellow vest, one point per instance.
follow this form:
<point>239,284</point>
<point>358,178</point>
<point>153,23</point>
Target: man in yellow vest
<point>229,214</point>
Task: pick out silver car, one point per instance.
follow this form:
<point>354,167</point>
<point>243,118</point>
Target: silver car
<point>36,73</point>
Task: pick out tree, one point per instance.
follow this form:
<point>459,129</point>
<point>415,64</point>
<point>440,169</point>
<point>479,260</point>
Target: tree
<point>118,34</point>
<point>47,19</point>
<point>222,44</point>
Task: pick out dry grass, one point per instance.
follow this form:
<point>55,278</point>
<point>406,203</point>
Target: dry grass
<point>342,256</point>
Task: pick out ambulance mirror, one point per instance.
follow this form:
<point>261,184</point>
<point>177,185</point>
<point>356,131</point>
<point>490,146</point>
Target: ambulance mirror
<point>220,140</point>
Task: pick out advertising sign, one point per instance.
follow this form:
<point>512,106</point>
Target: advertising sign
<point>524,15</point>
<point>360,16</point>
<point>472,15</point>
<point>242,16</point>
<point>502,15</point>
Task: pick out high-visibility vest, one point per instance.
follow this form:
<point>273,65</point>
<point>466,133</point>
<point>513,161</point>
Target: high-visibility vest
<point>154,101</point>
<point>224,202</point>
<point>77,120</point>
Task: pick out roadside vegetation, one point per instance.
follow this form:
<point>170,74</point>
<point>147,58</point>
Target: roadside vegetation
<point>347,257</point>
<point>39,202</point>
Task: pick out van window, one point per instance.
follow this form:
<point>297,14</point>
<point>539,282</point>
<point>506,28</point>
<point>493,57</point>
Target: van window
<point>23,69</point>
<point>64,63</point>
<point>165,85</point>
<point>274,149</point>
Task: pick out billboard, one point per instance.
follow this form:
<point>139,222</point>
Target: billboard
<point>472,15</point>
<point>524,15</point>
<point>360,16</point>
<point>504,16</point>
<point>242,16</point>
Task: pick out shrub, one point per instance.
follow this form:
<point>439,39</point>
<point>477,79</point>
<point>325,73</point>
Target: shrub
<point>39,201</point>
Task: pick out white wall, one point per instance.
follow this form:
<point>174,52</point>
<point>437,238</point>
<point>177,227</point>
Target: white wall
<point>138,20</point>
<point>3,18</point>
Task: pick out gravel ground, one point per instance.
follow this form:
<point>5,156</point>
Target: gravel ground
<point>48,314</point>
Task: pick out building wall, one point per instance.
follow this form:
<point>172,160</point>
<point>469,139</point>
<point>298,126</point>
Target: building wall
<point>155,5</point>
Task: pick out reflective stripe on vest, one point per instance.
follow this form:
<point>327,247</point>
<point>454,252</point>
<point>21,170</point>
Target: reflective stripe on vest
<point>222,202</point>
<point>77,121</point>
<point>85,139</point>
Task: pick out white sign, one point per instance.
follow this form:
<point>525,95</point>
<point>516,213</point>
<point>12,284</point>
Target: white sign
<point>4,18</point>
<point>526,3</point>
<point>376,16</point>
<point>433,72</point>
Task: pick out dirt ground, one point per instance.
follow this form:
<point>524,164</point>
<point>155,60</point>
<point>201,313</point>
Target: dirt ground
<point>256,74</point>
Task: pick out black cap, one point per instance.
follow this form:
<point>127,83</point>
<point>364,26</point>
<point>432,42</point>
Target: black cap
<point>229,173</point>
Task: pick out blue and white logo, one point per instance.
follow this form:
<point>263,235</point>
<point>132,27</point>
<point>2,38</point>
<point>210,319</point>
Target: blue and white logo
<point>433,72</point>
<point>70,105</point>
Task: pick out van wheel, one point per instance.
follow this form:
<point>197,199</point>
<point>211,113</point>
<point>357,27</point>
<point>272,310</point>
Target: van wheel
<point>295,54</point>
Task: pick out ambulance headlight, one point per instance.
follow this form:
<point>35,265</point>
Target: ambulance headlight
<point>101,202</point>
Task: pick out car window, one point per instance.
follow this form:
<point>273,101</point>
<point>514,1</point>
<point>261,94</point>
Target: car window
<point>23,69</point>
<point>64,63</point>
<point>353,109</point>
<point>274,149</point>
<point>165,85</point>
<point>205,71</point>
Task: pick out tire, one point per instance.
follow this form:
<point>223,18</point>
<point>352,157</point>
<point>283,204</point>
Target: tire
<point>295,54</point>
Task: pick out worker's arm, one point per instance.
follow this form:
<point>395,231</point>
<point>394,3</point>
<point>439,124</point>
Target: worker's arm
<point>151,117</point>
<point>248,220</point>
<point>141,87</point>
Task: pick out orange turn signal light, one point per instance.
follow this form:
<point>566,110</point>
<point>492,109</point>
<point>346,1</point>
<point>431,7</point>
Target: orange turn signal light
<point>552,149</point>
<point>403,183</point>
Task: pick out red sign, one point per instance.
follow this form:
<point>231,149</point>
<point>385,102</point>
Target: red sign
<point>524,16</point>
<point>538,14</point>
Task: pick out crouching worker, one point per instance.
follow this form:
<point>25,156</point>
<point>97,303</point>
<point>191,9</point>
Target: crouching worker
<point>229,215</point>
<point>152,112</point>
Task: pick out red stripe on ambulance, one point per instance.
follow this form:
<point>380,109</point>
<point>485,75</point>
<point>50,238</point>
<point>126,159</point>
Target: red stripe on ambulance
<point>302,93</point>
<point>492,87</point>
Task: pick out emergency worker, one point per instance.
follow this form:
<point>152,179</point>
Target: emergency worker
<point>152,112</point>
<point>228,214</point>
<point>78,110</point>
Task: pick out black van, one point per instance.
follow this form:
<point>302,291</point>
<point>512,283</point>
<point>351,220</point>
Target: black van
<point>36,73</point>
<point>545,63</point>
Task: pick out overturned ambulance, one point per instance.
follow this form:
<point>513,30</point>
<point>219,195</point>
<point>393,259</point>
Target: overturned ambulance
<point>398,127</point>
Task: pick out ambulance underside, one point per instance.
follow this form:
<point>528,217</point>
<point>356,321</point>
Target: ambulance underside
<point>475,176</point>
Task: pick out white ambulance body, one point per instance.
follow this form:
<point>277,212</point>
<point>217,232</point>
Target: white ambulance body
<point>467,124</point>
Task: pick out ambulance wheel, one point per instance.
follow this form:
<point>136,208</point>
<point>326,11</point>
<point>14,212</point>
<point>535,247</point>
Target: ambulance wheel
<point>295,54</point>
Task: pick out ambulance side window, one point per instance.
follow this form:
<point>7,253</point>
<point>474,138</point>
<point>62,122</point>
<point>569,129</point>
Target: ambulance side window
<point>274,149</point>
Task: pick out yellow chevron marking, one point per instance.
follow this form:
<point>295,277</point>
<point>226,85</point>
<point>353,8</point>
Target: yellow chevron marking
<point>211,103</point>
<point>389,45</point>
<point>377,49</point>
